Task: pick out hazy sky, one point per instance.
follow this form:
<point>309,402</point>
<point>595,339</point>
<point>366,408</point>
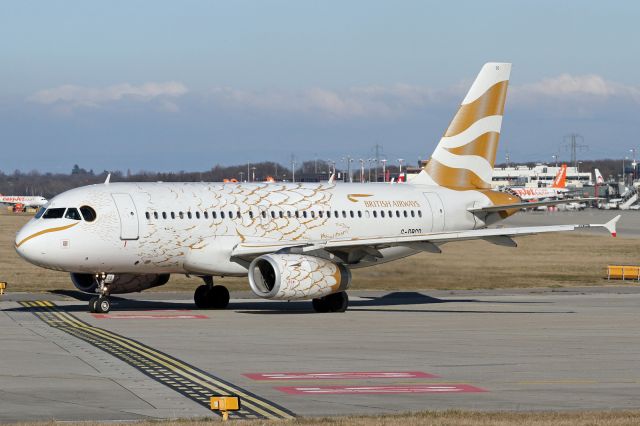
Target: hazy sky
<point>184,85</point>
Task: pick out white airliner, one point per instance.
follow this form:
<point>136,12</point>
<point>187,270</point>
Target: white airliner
<point>557,189</point>
<point>293,240</point>
<point>25,200</point>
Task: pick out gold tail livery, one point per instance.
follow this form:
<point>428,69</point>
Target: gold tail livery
<point>293,240</point>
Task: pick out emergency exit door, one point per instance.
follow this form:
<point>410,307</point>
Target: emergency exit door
<point>437,211</point>
<point>128,216</point>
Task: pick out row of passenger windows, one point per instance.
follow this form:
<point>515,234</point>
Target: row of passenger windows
<point>288,214</point>
<point>87,213</point>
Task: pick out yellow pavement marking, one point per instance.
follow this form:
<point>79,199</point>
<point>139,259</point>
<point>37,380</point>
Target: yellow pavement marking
<point>172,365</point>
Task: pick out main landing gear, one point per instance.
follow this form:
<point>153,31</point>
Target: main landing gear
<point>101,304</point>
<point>209,296</point>
<point>336,302</point>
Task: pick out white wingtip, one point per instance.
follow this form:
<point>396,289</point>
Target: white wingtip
<point>332,179</point>
<point>108,179</point>
<point>611,225</point>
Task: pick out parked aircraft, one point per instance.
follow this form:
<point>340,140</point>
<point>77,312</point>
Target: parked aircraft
<point>292,240</point>
<point>557,189</point>
<point>25,200</point>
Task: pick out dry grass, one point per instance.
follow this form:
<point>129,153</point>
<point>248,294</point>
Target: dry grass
<point>439,418</point>
<point>562,259</point>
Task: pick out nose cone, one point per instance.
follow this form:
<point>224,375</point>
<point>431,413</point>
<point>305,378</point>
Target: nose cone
<point>27,245</point>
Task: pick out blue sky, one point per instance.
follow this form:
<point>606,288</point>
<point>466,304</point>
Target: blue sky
<point>152,85</point>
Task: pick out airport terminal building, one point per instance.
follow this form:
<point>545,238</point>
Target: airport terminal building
<point>538,176</point>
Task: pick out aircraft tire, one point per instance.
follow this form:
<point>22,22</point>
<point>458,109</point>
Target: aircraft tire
<point>218,297</point>
<point>320,305</point>
<point>103,305</point>
<point>93,308</point>
<point>338,302</point>
<point>201,297</point>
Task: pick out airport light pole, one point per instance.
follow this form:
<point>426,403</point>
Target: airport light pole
<point>241,175</point>
<point>361,170</point>
<point>384,169</point>
<point>370,160</point>
<point>253,170</point>
<point>633,164</point>
<point>555,159</point>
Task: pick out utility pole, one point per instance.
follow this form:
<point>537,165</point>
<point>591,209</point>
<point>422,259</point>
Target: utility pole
<point>361,170</point>
<point>293,168</point>
<point>378,152</point>
<point>253,169</point>
<point>248,175</point>
<point>384,170</point>
<point>574,147</point>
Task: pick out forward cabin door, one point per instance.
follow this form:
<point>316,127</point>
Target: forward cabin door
<point>437,211</point>
<point>128,216</point>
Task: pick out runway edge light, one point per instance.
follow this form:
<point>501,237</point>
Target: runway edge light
<point>224,404</point>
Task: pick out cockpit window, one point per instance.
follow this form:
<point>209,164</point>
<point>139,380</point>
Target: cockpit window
<point>54,213</point>
<point>88,213</point>
<point>40,212</point>
<point>73,214</point>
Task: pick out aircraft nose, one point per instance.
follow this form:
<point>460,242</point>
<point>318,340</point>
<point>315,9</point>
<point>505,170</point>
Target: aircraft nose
<point>25,246</point>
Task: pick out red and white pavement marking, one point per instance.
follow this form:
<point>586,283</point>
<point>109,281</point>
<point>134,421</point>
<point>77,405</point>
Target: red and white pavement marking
<point>351,390</point>
<point>148,316</point>
<point>342,375</point>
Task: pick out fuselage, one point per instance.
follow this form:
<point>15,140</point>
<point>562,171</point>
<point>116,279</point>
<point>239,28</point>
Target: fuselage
<point>179,227</point>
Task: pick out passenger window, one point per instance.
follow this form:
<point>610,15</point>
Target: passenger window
<point>221,215</point>
<point>313,214</point>
<point>390,214</point>
<point>189,215</point>
<point>289,214</point>
<point>250,214</point>
<point>413,214</point>
<point>197,215</point>
<point>359,213</point>
<point>73,214</point>
<point>335,214</point>
<point>264,214</point>
<point>405,213</point>
<point>53,213</point>
<point>164,215</point>
<point>273,214</point>
<point>214,215</point>
<point>320,213</point>
<point>88,213</point>
<point>173,215</point>
<point>328,213</point>
<point>297,214</point>
<point>419,213</point>
<point>397,213</point>
<point>344,214</point>
<point>281,214</point>
<point>366,214</point>
<point>230,214</point>
<point>155,215</point>
<point>304,214</point>
<point>375,214</point>
<point>181,215</point>
<point>40,212</point>
<point>206,214</point>
<point>351,213</point>
<point>381,213</point>
<point>147,215</point>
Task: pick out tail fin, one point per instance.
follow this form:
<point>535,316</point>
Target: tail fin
<point>599,178</point>
<point>560,180</point>
<point>465,156</point>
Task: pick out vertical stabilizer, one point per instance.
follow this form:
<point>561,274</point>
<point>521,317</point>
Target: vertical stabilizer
<point>599,178</point>
<point>465,155</point>
<point>560,181</point>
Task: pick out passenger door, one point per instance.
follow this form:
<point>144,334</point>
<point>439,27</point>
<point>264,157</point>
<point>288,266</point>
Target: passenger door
<point>437,211</point>
<point>128,216</point>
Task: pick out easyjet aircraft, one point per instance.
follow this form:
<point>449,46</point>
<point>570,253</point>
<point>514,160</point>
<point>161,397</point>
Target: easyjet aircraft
<point>556,190</point>
<point>25,200</point>
<point>293,240</point>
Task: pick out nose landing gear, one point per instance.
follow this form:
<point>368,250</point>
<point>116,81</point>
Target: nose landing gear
<point>209,296</point>
<point>101,304</point>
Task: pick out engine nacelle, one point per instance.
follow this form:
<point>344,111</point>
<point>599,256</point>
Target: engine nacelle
<point>296,276</point>
<point>121,283</point>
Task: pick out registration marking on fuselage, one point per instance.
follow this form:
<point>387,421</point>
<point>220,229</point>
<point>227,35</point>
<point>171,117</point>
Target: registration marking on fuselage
<point>183,378</point>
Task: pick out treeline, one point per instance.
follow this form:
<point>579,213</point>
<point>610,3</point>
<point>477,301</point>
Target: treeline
<point>50,184</point>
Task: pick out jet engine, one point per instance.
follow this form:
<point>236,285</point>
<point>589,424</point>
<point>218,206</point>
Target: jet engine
<point>119,283</point>
<point>296,276</point>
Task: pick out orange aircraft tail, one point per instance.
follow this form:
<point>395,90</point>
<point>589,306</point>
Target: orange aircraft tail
<point>560,180</point>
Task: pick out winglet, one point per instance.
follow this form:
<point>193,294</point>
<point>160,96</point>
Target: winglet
<point>332,179</point>
<point>611,225</point>
<point>108,179</point>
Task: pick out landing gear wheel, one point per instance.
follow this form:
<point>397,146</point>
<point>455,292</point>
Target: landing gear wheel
<point>337,302</point>
<point>92,304</point>
<point>211,297</point>
<point>103,305</point>
<point>200,297</point>
<point>218,297</point>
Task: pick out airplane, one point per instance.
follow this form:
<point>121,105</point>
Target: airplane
<point>556,190</point>
<point>599,178</point>
<point>294,241</point>
<point>25,200</point>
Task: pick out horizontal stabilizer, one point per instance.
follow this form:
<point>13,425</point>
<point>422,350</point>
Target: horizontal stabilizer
<point>525,205</point>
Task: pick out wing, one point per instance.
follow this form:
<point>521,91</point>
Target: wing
<point>426,242</point>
